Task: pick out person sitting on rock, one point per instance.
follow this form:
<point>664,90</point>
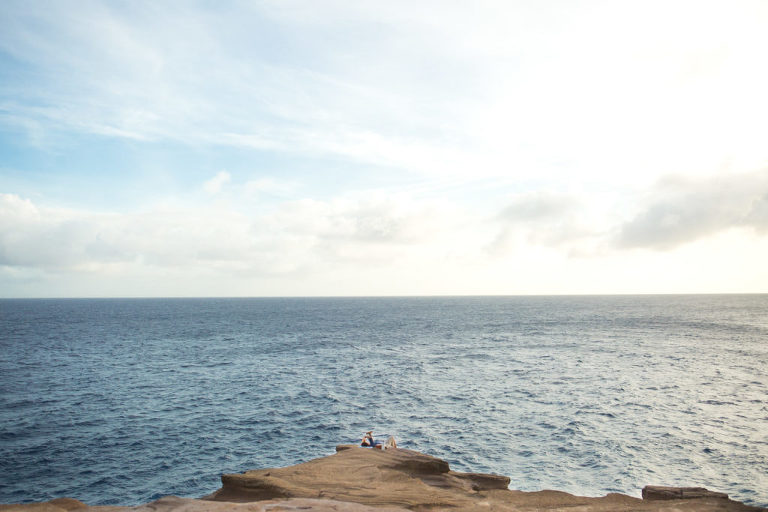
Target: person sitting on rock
<point>368,440</point>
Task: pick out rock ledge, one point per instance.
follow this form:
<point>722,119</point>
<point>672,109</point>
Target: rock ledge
<point>365,480</point>
<point>657,492</point>
<point>411,480</point>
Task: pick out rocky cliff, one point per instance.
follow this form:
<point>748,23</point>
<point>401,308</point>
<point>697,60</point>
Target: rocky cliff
<point>365,480</point>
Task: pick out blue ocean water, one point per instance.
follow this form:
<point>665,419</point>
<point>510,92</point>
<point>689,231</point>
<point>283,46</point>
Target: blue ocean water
<point>123,401</point>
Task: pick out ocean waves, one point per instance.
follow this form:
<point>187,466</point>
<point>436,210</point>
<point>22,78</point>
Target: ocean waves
<point>123,401</point>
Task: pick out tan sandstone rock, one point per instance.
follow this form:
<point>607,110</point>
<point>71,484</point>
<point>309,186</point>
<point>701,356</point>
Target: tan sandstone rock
<point>416,481</point>
<point>657,492</point>
<point>365,480</point>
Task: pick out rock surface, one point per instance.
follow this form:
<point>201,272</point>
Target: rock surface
<point>656,492</point>
<point>402,478</point>
<point>416,481</point>
<point>176,504</point>
<point>365,480</point>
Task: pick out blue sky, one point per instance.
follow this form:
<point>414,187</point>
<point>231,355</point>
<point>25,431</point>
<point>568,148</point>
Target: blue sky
<point>368,148</point>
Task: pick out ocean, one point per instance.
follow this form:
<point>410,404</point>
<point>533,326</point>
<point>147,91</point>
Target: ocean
<point>121,401</point>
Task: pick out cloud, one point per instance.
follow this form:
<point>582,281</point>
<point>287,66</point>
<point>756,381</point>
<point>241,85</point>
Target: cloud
<point>213,186</point>
<point>675,211</point>
<point>268,186</point>
<point>546,219</point>
<point>68,240</point>
<point>368,226</point>
<point>436,89</point>
<point>293,236</point>
<point>245,77</point>
<point>362,243</point>
<point>683,209</point>
<point>538,207</point>
<point>34,237</point>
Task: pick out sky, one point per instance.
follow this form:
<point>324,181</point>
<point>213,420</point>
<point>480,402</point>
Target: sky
<point>347,148</point>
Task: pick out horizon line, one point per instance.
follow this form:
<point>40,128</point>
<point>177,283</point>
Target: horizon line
<point>425,296</point>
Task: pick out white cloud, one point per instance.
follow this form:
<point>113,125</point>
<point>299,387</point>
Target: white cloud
<point>268,186</point>
<point>508,88</point>
<point>293,236</point>
<point>681,210</point>
<point>538,207</point>
<point>213,186</point>
<point>677,210</point>
<point>569,110</point>
<point>369,243</point>
<point>562,221</point>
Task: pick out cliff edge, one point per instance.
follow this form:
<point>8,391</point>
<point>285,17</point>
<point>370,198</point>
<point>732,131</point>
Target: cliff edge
<point>415,481</point>
<point>398,480</point>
